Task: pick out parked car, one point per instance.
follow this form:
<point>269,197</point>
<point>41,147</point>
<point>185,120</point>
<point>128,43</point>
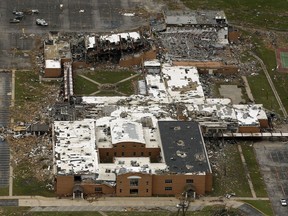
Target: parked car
<point>18,12</point>
<point>41,22</point>
<point>283,202</point>
<point>14,20</point>
<point>31,11</point>
<point>19,17</point>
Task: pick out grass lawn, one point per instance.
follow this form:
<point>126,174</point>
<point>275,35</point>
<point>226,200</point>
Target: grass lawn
<point>262,13</point>
<point>280,80</point>
<point>262,92</point>
<point>262,205</point>
<point>254,170</point>
<point>109,76</point>
<point>83,86</point>
<point>25,183</point>
<point>15,211</point>
<point>128,87</point>
<point>31,95</point>
<point>206,211</point>
<point>27,87</point>
<point>20,211</point>
<point>229,176</point>
<point>108,93</point>
<point>4,191</point>
<point>259,85</point>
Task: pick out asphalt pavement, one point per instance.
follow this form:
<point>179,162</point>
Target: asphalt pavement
<point>5,99</point>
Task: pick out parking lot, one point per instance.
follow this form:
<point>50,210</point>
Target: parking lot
<point>75,16</point>
<point>5,98</point>
<point>273,159</point>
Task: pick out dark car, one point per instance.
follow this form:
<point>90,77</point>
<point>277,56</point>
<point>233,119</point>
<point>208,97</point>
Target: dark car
<point>19,17</point>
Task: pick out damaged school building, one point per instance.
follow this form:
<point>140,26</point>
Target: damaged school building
<point>151,143</point>
<point>146,145</point>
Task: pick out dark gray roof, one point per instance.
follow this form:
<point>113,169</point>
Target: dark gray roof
<point>39,128</point>
<point>183,146</point>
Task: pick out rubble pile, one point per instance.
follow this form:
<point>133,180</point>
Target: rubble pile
<point>191,43</point>
<point>36,153</point>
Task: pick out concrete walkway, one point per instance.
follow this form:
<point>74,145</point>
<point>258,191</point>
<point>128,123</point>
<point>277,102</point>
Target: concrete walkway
<point>247,172</point>
<point>247,88</point>
<point>126,79</point>
<point>91,80</point>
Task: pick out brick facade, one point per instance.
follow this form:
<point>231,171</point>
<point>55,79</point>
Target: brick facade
<point>128,149</point>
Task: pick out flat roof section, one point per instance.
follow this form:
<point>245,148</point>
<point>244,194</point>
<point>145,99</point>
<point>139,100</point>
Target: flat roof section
<point>75,148</point>
<point>183,147</point>
<point>52,64</point>
<point>182,82</point>
<point>126,131</point>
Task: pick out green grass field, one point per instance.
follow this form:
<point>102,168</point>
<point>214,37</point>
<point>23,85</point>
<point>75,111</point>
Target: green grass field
<point>261,13</point>
<point>206,211</point>
<point>109,76</point>
<point>253,169</point>
<point>262,205</point>
<point>83,86</point>
<point>230,176</point>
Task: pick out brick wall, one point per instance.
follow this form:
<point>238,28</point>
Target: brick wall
<point>134,184</point>
<point>128,149</point>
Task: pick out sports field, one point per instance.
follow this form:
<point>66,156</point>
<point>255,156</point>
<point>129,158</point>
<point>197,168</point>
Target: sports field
<point>282,60</point>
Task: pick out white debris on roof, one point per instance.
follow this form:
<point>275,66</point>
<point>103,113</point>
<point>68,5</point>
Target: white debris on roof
<point>182,82</point>
<point>52,64</point>
<point>115,38</point>
<point>101,101</point>
<point>124,165</point>
<point>145,119</point>
<point>126,131</point>
<point>75,149</point>
<point>156,87</point>
<point>223,101</point>
<point>128,14</point>
<point>223,36</point>
<point>91,42</point>
<point>245,115</point>
<point>152,63</point>
<point>249,114</point>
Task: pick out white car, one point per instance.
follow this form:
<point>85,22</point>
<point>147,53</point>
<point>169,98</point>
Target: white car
<point>41,22</point>
<point>283,202</point>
